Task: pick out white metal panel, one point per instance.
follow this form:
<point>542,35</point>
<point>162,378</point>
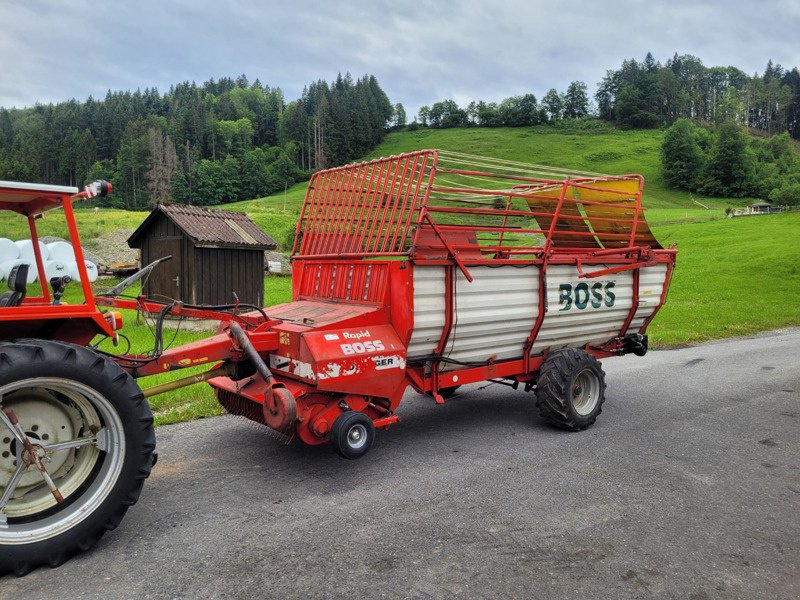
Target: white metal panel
<point>588,314</point>
<point>429,304</point>
<point>494,314</point>
<point>651,286</point>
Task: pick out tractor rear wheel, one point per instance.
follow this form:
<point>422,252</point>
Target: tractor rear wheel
<point>571,389</point>
<point>352,434</point>
<point>76,444</point>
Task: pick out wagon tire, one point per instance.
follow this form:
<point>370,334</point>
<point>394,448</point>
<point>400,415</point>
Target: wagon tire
<point>352,434</point>
<point>62,393</point>
<point>570,389</point>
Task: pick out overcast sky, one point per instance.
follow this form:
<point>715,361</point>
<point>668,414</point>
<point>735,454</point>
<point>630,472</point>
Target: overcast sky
<point>421,51</point>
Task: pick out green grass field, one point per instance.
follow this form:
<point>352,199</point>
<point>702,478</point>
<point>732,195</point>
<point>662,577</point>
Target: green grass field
<point>733,277</point>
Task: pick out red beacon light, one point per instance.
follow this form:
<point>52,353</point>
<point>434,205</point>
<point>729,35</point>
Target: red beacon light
<point>97,189</point>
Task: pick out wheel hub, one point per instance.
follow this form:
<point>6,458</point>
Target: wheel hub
<point>43,418</point>
<point>46,417</point>
<point>357,436</point>
<point>585,392</point>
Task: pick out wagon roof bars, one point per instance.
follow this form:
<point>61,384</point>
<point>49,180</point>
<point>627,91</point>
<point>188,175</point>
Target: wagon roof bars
<point>454,206</point>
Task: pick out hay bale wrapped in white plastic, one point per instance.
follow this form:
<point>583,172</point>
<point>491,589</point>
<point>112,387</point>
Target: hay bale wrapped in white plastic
<point>8,251</point>
<point>26,251</point>
<point>62,251</point>
<point>55,268</point>
<point>6,267</point>
<point>91,270</point>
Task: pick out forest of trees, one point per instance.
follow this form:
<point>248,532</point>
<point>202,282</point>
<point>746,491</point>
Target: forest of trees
<point>218,142</point>
<point>724,161</point>
<point>647,94</point>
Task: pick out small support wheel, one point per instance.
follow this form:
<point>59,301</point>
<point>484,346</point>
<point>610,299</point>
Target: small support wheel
<point>571,389</point>
<point>352,434</point>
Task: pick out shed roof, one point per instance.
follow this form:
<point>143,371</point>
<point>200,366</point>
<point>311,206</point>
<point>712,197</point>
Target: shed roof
<point>209,228</point>
<point>760,204</point>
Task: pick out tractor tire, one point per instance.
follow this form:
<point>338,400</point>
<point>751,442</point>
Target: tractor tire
<point>66,395</point>
<point>570,389</point>
<point>352,434</point>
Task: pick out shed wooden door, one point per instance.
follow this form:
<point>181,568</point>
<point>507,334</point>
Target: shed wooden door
<point>168,278</point>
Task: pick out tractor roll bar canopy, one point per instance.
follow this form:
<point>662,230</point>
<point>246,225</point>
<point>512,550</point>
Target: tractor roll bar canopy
<point>32,198</point>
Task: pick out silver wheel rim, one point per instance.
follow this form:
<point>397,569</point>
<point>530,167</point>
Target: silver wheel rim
<point>357,436</point>
<point>585,392</point>
<point>81,439</point>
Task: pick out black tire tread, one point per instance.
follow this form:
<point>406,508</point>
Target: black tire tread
<point>552,388</point>
<point>137,420</point>
<point>339,433</point>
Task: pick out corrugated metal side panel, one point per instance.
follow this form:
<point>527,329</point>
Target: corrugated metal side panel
<point>574,326</point>
<point>428,310</point>
<point>495,313</point>
<point>651,285</point>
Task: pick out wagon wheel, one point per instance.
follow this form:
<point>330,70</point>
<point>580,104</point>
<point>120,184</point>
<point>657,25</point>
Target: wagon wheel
<point>571,389</point>
<point>76,443</point>
<point>352,434</point>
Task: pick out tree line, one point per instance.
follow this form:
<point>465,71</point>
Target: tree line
<point>221,141</point>
<point>516,111</point>
<point>646,94</point>
<point>649,94</point>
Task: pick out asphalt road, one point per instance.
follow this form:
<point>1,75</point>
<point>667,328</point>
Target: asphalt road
<point>688,486</point>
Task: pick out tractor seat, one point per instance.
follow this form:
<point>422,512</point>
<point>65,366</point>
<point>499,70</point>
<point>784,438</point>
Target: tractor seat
<point>17,284</point>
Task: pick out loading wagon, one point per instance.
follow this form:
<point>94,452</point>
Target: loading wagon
<point>428,270</point>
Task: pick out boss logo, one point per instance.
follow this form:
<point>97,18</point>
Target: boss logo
<point>584,295</point>
<point>362,347</point>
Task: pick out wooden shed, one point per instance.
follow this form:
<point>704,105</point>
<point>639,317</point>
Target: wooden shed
<point>214,254</point>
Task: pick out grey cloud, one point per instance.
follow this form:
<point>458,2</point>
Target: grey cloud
<point>421,51</point>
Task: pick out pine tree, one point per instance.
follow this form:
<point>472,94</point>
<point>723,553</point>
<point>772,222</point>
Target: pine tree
<point>681,156</point>
<point>163,165</point>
